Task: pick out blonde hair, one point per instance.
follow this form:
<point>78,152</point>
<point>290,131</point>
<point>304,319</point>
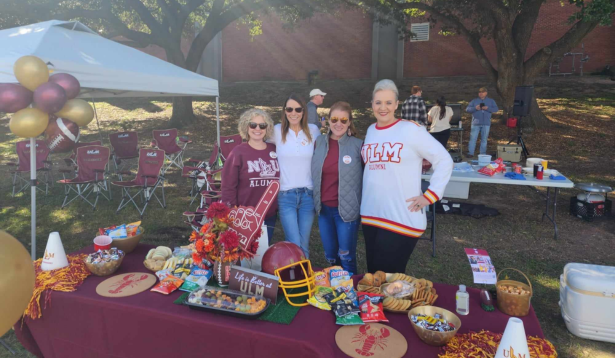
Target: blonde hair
<point>249,115</point>
<point>304,119</point>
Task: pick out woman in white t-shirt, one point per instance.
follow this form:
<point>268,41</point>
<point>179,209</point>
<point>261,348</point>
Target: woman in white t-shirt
<point>294,139</point>
<point>439,118</point>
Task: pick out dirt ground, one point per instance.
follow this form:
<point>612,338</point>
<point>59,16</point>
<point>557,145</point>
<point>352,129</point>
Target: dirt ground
<point>580,144</point>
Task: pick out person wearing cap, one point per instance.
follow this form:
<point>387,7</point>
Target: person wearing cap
<point>481,109</point>
<point>316,98</point>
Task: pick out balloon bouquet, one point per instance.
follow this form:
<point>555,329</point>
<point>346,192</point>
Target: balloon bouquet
<point>42,103</point>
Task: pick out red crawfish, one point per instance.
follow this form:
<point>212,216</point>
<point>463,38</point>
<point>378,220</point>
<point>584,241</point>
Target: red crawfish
<point>127,281</point>
<point>371,338</point>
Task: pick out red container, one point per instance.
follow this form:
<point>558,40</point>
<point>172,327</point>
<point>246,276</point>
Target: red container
<point>102,242</point>
<point>540,172</point>
<point>511,122</point>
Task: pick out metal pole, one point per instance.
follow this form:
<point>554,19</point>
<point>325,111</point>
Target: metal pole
<point>218,120</point>
<point>97,123</point>
<point>33,197</point>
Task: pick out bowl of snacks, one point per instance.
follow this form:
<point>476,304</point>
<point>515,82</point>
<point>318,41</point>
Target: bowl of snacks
<point>104,262</point>
<point>434,325</point>
<point>227,301</point>
<point>128,243</point>
<point>398,289</point>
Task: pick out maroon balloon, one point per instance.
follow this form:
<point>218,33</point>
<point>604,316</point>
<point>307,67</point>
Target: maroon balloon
<point>49,97</point>
<point>68,82</point>
<point>14,97</point>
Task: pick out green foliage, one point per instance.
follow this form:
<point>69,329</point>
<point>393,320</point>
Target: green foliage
<point>596,10</point>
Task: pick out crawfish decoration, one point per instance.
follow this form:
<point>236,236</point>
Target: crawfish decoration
<point>127,280</point>
<point>370,339</point>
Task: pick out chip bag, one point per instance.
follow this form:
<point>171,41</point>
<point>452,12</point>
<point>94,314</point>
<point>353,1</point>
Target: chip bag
<point>322,279</point>
<point>319,300</point>
<point>197,279</point>
<point>337,275</point>
<point>133,229</point>
<point>347,288</point>
<point>346,312</point>
<point>168,285</point>
<point>371,307</point>
<point>118,233</point>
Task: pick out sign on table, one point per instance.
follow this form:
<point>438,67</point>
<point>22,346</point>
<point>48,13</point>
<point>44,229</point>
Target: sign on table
<point>255,283</point>
<point>482,268</point>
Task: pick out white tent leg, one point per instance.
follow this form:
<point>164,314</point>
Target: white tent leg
<point>218,120</point>
<point>33,196</point>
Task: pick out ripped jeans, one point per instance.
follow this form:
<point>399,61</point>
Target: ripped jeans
<point>339,238</point>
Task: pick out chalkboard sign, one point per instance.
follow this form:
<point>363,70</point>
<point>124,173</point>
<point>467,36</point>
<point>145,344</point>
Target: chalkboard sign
<point>253,282</point>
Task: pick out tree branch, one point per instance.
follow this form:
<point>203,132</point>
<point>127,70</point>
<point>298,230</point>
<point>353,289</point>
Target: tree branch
<point>147,18</point>
<point>524,24</point>
<point>169,18</point>
<point>539,61</point>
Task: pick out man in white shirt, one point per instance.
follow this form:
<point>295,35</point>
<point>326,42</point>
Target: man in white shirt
<point>317,97</point>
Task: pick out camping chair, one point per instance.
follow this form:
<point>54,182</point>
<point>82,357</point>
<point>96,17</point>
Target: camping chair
<point>167,141</point>
<point>20,170</point>
<point>70,161</point>
<point>125,147</point>
<point>148,178</point>
<point>92,165</point>
<point>209,174</point>
<point>431,219</point>
<point>197,218</point>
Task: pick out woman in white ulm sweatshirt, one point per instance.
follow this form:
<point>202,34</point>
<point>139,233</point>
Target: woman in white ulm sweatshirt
<point>392,209</point>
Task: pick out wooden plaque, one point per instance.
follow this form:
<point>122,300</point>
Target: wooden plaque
<point>126,284</point>
<point>371,340</point>
<point>255,283</point>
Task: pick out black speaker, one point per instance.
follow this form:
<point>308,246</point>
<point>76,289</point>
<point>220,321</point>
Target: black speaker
<point>523,100</point>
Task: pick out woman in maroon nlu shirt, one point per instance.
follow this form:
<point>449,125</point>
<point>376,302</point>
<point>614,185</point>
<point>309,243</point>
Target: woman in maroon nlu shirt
<point>252,165</point>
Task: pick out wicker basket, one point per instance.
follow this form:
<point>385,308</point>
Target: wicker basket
<point>514,304</point>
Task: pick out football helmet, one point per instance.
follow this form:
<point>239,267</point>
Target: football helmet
<point>296,277</point>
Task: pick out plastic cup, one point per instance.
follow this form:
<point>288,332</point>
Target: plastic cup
<point>102,242</point>
<point>545,164</point>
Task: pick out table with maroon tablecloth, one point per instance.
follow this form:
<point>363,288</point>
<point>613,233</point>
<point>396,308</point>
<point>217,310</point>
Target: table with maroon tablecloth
<point>84,324</point>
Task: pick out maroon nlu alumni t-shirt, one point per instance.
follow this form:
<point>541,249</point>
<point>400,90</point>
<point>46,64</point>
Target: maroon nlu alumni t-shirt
<point>330,175</point>
<point>246,175</point>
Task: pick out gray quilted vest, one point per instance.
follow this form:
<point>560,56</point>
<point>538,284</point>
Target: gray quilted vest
<point>350,175</point>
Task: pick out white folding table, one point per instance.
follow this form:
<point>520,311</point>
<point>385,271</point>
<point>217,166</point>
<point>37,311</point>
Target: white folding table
<point>551,200</point>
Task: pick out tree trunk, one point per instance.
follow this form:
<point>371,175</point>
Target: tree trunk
<point>183,114</point>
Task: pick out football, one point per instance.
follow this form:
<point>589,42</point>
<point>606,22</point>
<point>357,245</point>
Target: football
<point>61,135</point>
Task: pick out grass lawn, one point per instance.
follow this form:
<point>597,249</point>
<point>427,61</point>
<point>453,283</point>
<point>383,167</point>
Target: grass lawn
<point>580,143</point>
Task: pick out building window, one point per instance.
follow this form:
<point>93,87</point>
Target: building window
<point>420,32</point>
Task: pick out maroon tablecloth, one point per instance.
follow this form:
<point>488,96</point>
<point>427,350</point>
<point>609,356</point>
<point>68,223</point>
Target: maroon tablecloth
<point>83,324</point>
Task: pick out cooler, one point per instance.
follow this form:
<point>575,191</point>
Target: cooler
<point>510,152</point>
<point>587,301</point>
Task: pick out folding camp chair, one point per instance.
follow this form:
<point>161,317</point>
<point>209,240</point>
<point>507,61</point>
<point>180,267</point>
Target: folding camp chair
<point>125,147</point>
<point>207,175</point>
<point>71,161</point>
<point>92,166</point>
<point>20,170</point>
<point>167,141</point>
<point>197,218</point>
<point>148,178</point>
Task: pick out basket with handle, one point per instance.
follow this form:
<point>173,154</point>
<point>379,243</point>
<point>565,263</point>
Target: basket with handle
<point>514,304</point>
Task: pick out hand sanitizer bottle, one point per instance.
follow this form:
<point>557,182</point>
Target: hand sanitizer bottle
<point>462,299</point>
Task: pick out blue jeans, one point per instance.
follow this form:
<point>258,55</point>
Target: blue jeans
<point>484,134</point>
<point>339,238</point>
<point>296,210</point>
<point>270,223</point>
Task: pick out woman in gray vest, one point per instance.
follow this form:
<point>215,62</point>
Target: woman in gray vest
<point>337,174</point>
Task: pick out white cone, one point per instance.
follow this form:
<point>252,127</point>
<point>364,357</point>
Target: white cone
<point>54,257</point>
<point>514,342</point>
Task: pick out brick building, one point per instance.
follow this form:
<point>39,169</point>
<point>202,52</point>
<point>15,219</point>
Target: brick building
<point>349,45</point>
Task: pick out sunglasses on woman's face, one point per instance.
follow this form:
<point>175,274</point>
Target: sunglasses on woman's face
<point>253,125</point>
<point>334,120</point>
<point>290,109</point>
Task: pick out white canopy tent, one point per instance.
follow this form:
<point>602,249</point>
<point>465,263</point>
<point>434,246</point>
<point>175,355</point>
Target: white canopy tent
<point>104,68</point>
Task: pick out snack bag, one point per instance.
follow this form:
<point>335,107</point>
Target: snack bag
<point>319,300</point>
<point>182,269</point>
<point>347,288</point>
<point>162,274</point>
<point>346,312</point>
<point>337,274</point>
<point>322,279</point>
<point>197,279</point>
<point>168,285</point>
<point>487,170</point>
<point>105,231</point>
<point>118,233</point>
<point>132,229</point>
<point>371,307</point>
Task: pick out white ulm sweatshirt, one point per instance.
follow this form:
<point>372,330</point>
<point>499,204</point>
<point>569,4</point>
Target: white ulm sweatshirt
<point>393,157</point>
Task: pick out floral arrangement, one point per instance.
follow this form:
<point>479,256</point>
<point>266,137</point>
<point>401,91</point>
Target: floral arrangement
<point>215,242</point>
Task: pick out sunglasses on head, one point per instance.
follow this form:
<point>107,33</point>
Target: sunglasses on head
<point>334,120</point>
<point>253,125</point>
<point>290,109</point>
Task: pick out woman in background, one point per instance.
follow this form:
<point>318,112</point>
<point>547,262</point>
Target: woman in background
<point>439,118</point>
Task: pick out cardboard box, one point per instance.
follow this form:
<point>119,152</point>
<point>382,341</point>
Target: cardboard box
<point>510,152</point>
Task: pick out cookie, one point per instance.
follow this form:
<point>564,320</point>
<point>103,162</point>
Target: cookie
<point>368,279</point>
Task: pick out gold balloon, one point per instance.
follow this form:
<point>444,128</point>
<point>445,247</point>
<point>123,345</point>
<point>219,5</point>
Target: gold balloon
<point>16,281</point>
<point>31,72</point>
<point>29,123</point>
<point>78,111</point>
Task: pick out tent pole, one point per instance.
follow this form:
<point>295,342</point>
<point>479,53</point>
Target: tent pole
<point>218,120</point>
<point>97,123</point>
<point>33,196</point>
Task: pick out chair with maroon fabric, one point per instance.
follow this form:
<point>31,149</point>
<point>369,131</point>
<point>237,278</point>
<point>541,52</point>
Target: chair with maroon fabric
<point>207,175</point>
<point>92,171</point>
<point>125,147</point>
<point>167,140</point>
<point>149,177</point>
<point>20,170</point>
<point>71,161</point>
